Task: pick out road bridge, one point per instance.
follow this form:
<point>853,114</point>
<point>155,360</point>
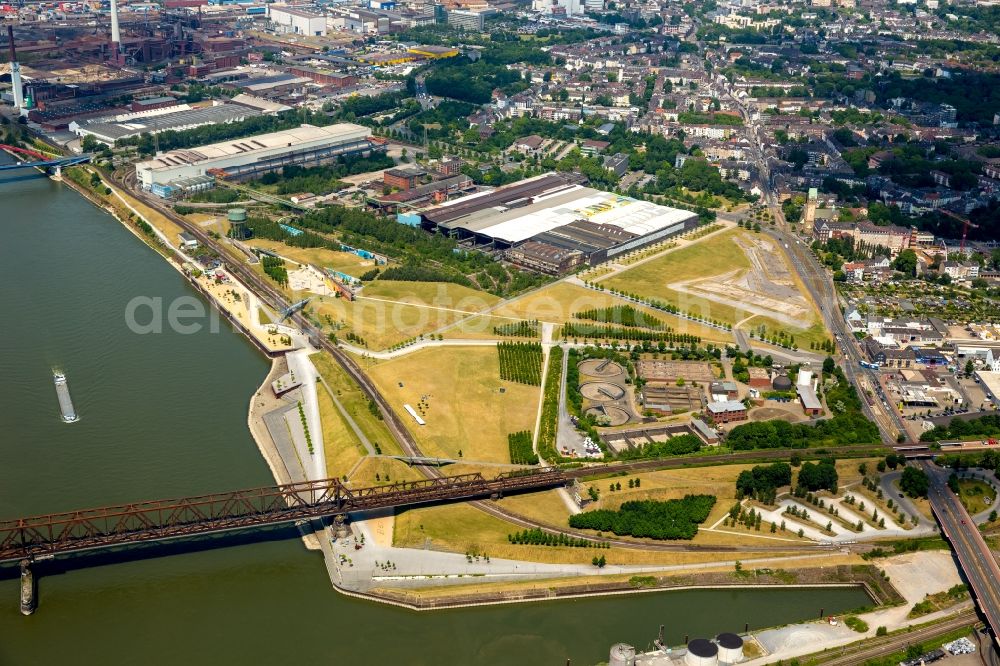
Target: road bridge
<point>41,160</point>
<point>977,561</point>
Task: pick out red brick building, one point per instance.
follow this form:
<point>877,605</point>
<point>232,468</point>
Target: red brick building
<point>403,178</point>
<point>727,411</point>
<point>323,78</point>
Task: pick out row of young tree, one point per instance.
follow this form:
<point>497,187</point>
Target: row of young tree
<point>519,446</point>
<point>623,315</point>
<point>538,537</point>
<point>650,519</point>
<point>521,362</point>
<point>602,332</point>
<point>518,329</point>
<point>548,425</point>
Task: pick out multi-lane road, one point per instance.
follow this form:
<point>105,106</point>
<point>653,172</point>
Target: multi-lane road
<point>821,288</point>
<point>974,555</point>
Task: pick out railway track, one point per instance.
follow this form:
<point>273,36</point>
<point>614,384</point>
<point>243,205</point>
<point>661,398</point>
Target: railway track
<point>859,653</point>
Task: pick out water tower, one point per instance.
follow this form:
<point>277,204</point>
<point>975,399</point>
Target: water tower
<point>238,224</point>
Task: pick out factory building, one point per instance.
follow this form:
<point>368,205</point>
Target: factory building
<point>553,223</point>
<point>297,21</point>
<point>243,158</point>
<point>181,117</point>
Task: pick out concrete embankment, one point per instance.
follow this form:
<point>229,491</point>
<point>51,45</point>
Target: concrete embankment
<point>880,591</point>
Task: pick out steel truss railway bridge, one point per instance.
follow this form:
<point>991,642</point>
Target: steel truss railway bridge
<point>158,520</point>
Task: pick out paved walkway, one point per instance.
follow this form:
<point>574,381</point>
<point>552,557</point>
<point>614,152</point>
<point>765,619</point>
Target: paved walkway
<point>364,568</point>
<point>315,461</point>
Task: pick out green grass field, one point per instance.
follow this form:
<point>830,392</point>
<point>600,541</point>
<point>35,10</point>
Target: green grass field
<point>465,409</point>
<point>976,495</point>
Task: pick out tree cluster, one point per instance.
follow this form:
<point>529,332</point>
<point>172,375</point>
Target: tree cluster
<point>914,482</point>
<point>762,481</point>
<point>649,519</point>
<point>519,445</point>
<point>521,362</point>
<point>818,476</point>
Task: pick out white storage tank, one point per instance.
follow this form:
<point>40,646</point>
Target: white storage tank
<point>730,648</point>
<point>702,652</point>
<point>622,654</point>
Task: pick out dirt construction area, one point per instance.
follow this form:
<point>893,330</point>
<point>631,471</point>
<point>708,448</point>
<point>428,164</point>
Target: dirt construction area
<point>766,288</point>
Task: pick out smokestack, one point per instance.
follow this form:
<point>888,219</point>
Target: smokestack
<point>116,33</point>
<point>15,72</point>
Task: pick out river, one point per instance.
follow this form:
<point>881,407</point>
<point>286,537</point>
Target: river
<point>164,415</point>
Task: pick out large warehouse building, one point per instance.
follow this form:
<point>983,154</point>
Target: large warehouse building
<point>553,223</point>
<point>243,158</point>
<point>178,118</point>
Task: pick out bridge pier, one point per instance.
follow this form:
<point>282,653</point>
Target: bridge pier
<point>29,590</point>
<point>57,172</point>
<point>340,526</point>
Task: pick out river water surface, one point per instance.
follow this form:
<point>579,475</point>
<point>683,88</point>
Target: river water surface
<point>164,415</point>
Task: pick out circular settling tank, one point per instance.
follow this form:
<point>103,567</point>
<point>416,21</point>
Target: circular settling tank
<point>614,415</point>
<point>602,391</point>
<point>599,367</point>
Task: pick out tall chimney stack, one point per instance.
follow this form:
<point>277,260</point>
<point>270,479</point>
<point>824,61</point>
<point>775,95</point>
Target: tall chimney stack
<point>15,72</point>
<point>116,33</point>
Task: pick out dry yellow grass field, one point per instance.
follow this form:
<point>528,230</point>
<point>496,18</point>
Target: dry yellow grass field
<point>211,221</point>
<point>380,324</point>
<point>466,412</point>
<point>437,294</point>
<point>546,507</point>
<point>462,528</point>
<point>170,228</point>
<point>355,403</point>
<point>341,445</point>
<point>480,327</point>
<point>558,302</point>
<point>381,471</point>
<point>344,262</point>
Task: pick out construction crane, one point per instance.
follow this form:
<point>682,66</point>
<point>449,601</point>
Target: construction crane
<point>965,227</point>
